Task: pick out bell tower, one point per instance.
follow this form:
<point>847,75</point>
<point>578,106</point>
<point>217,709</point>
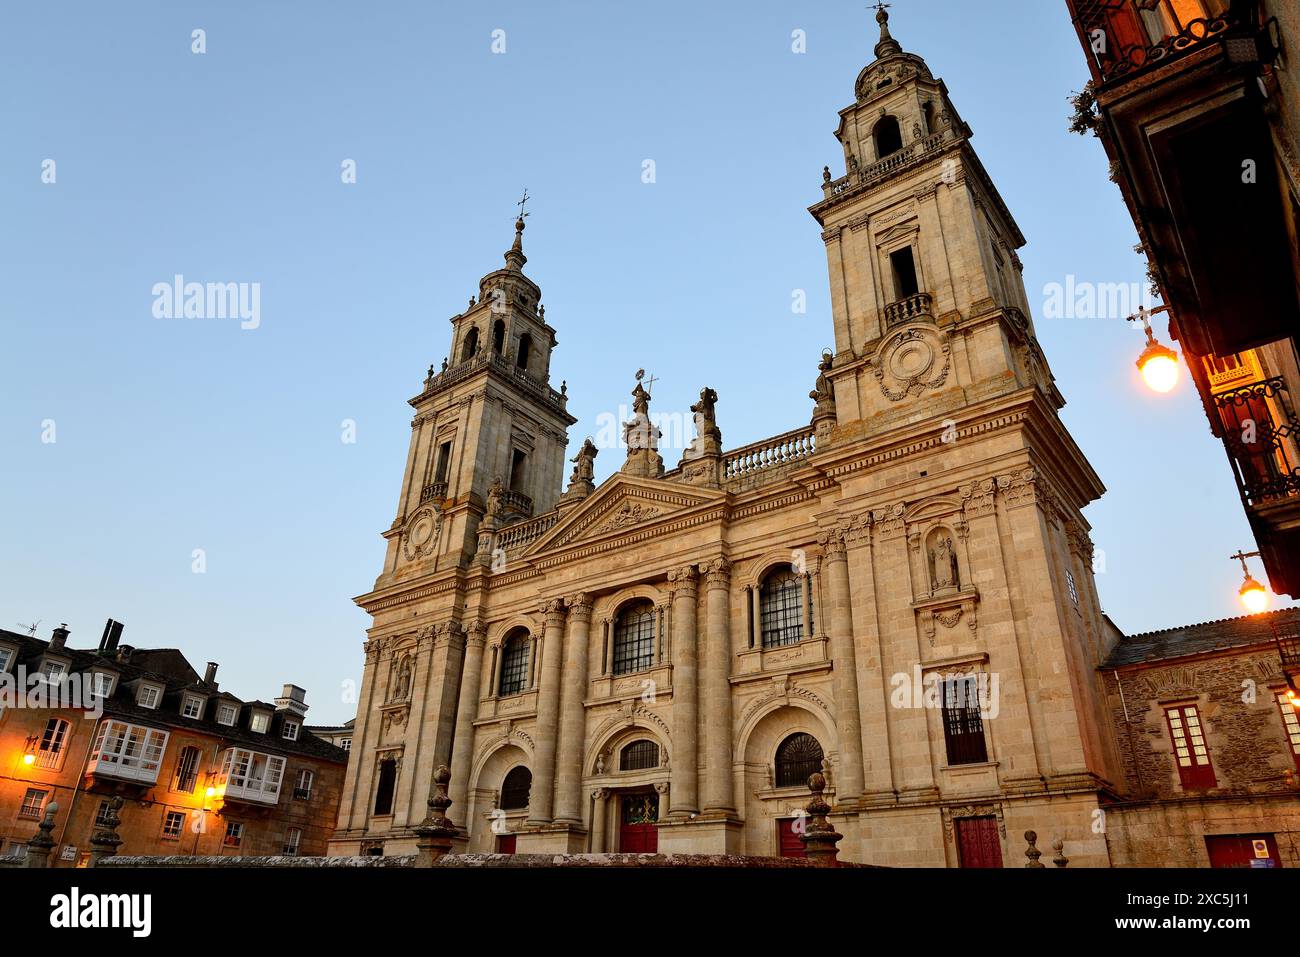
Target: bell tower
<point>489,432</point>
<point>929,305</point>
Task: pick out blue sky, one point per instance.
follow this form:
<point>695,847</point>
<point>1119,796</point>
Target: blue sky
<point>174,436</point>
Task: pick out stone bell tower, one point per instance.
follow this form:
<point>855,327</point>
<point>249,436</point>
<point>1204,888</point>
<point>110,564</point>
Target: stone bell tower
<point>489,433</point>
<point>929,305</point>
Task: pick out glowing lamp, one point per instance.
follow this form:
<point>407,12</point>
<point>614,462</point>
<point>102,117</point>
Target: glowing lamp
<point>1159,366</point>
<point>1253,595</point>
<point>29,759</point>
<point>210,793</point>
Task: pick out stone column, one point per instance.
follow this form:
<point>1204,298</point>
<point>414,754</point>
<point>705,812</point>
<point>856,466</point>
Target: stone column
<point>573,715</point>
<point>756,614</point>
<point>462,750</point>
<point>848,719</point>
<point>717,689</point>
<point>684,585</point>
<point>661,788</point>
<point>542,798</point>
<point>598,814</point>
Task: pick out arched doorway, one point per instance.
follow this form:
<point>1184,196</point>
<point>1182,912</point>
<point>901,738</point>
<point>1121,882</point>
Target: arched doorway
<point>638,817</point>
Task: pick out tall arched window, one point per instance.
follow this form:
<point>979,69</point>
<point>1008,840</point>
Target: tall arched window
<point>888,137</point>
<point>638,756</point>
<point>798,757</point>
<point>470,348</point>
<point>634,638</point>
<point>514,663</point>
<point>525,351</point>
<point>499,336</point>
<point>780,606</point>
<point>514,789</point>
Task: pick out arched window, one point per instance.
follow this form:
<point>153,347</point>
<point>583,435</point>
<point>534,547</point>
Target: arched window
<point>928,112</point>
<point>525,351</point>
<point>780,606</point>
<point>634,638</point>
<point>798,757</point>
<point>514,663</point>
<point>514,789</point>
<point>385,788</point>
<point>888,137</point>
<point>499,336</point>
<point>471,345</point>
<point>638,756</point>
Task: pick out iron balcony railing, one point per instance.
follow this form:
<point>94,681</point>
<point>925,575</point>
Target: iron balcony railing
<point>1260,432</point>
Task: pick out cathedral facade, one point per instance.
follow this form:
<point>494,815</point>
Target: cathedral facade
<point>898,594</point>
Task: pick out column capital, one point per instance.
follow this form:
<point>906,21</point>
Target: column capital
<point>476,633</point>
<point>599,794</point>
<point>684,580</point>
<point>832,543</point>
<point>718,573</point>
<point>579,606</point>
<point>553,609</point>
<point>661,787</point>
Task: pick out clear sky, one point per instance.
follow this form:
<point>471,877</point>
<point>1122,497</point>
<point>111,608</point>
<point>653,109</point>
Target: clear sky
<point>174,435</point>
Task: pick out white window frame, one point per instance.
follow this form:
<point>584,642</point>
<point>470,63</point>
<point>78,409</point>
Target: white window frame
<point>259,722</point>
<point>308,775</point>
<point>168,835</point>
<point>250,775</point>
<point>192,699</point>
<point>26,811</point>
<point>101,684</point>
<point>346,744</point>
<point>51,758</point>
<point>293,726</point>
<point>233,711</point>
<point>292,842</point>
<point>234,829</point>
<point>52,671</point>
<point>152,703</point>
<point>130,751</point>
<point>6,658</point>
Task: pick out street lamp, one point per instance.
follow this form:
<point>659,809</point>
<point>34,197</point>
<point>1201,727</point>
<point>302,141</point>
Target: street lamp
<point>1157,363</point>
<point>1253,595</point>
<point>29,751</point>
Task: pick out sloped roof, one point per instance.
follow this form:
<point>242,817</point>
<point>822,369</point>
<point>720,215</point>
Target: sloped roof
<point>1205,637</point>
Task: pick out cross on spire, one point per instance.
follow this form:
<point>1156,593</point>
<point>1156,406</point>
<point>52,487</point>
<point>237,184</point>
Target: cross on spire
<point>523,200</point>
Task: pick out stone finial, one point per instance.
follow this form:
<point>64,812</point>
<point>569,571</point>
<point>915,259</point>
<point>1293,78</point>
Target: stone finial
<point>39,847</point>
<point>436,830</point>
<point>1060,860</point>
<point>105,841</point>
<point>1032,852</point>
<point>887,44</point>
<point>819,836</point>
<point>515,257</point>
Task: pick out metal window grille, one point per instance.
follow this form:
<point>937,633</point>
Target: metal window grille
<point>798,757</point>
<point>638,756</point>
<point>514,665</point>
<point>963,727</point>
<point>634,639</point>
<point>780,607</point>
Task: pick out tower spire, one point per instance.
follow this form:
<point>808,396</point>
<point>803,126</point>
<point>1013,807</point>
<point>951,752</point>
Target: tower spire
<point>887,45</point>
<point>515,257</point>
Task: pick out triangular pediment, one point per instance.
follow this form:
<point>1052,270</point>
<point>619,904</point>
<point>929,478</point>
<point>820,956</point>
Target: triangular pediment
<point>621,503</point>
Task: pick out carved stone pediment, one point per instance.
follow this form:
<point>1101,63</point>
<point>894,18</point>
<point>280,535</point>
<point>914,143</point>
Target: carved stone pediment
<point>625,502</point>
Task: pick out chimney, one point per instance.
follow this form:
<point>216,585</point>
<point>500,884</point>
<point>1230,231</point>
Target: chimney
<point>59,638</point>
<point>210,676</point>
<point>293,700</point>
<point>124,654</point>
<point>112,633</point>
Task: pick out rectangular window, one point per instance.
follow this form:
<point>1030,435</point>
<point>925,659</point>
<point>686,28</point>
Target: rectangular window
<point>173,823</point>
<point>148,697</point>
<point>6,658</point>
<point>226,714</point>
<point>346,744</point>
<point>50,753</point>
<point>518,464</point>
<point>302,790</point>
<point>101,685</point>
<point>444,462</point>
<point>187,771</point>
<point>963,726</point>
<point>127,751</point>
<point>52,671</point>
<point>102,814</point>
<point>259,723</point>
<point>1291,722</point>
<point>1069,584</point>
<point>193,707</point>
<point>905,282</point>
<point>250,775</point>
<point>33,804</point>
<point>290,731</point>
<point>16,850</point>
<point>291,841</point>
<point>234,834</point>
<point>1190,751</point>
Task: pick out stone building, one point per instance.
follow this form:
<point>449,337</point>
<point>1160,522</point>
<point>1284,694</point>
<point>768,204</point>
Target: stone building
<point>1209,742</point>
<point>900,592</point>
<point>200,771</point>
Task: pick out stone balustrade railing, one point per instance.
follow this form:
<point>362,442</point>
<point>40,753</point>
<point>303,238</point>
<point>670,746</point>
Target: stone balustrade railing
<point>770,453</point>
<point>912,307</point>
<point>516,536</point>
<point>524,378</point>
<point>891,164</point>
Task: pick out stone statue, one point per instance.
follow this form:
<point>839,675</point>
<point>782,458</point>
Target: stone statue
<point>822,392</point>
<point>600,763</point>
<point>541,313</point>
<point>444,363</point>
<point>706,418</point>
<point>826,174</point>
<point>642,438</point>
<point>943,562</point>
<point>584,462</point>
<point>853,162</point>
<point>494,499</point>
<point>403,681</point>
<point>640,400</point>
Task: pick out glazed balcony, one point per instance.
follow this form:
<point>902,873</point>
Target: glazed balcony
<point>127,753</point>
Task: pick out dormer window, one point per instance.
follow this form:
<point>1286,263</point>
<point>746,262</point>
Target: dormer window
<point>192,707</point>
<point>101,685</point>
<point>290,731</point>
<point>6,658</point>
<point>259,722</point>
<point>52,671</point>
<point>148,696</point>
<point>226,714</point>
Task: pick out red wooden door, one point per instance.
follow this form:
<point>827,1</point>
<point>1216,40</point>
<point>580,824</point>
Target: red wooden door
<point>1243,850</point>
<point>788,841</point>
<point>977,842</point>
<point>506,844</point>
<point>637,833</point>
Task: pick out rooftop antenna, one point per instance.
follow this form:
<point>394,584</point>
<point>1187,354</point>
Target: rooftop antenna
<point>31,629</point>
